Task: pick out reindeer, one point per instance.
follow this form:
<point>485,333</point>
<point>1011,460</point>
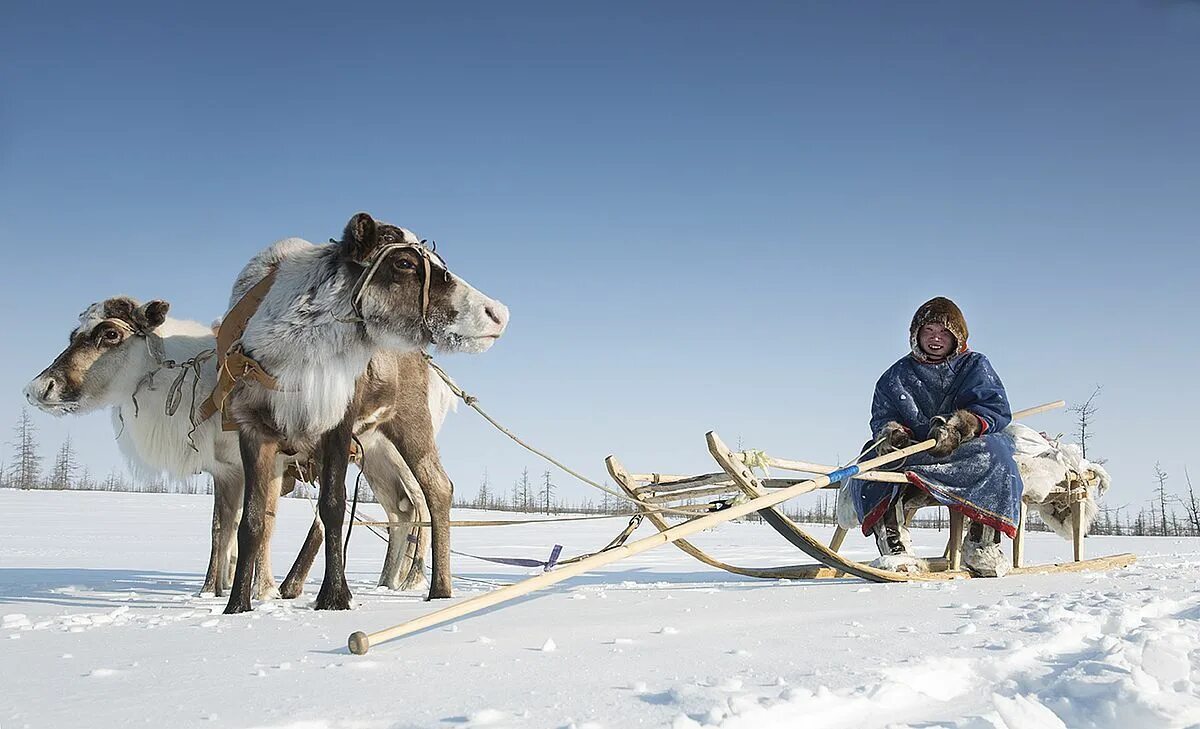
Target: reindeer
<point>122,356</point>
<point>329,309</point>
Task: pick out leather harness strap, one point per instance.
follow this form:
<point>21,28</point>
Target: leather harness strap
<point>233,365</point>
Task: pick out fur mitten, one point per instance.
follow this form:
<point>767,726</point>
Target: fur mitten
<point>951,432</point>
<point>894,436</point>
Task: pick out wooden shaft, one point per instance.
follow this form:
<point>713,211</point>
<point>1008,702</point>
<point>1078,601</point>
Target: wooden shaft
<point>660,482</point>
<point>1019,540</point>
<point>787,464</point>
<point>1038,409</point>
<point>686,494</point>
<point>360,642</point>
<point>954,546</point>
<point>1077,529</point>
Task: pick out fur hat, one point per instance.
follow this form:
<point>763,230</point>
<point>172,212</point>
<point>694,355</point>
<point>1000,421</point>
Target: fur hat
<point>938,310</point>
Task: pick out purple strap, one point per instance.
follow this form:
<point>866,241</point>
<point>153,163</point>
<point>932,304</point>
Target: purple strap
<point>518,561</point>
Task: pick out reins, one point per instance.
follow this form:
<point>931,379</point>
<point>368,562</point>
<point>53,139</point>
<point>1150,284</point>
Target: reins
<point>473,403</point>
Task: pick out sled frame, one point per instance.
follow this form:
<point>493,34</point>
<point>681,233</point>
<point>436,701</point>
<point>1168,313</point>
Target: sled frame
<point>752,487</point>
<point>737,481</point>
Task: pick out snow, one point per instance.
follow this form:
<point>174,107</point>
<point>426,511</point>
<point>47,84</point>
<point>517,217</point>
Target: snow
<point>101,626</point>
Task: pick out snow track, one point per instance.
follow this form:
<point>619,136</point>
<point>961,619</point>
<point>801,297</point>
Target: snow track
<point>100,626</point>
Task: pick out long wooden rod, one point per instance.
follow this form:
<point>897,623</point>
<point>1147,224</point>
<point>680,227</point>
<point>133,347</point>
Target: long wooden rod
<point>360,642</point>
<point>807,467</point>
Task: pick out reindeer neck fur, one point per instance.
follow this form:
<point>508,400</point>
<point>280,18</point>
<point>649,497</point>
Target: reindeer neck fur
<point>153,442</point>
<point>300,337</point>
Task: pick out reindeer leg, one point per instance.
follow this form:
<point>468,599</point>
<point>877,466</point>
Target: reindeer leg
<point>258,463</point>
<point>415,538</point>
<point>227,513</point>
<point>334,452</point>
<point>416,543</point>
<point>393,484</point>
<point>413,438</point>
<point>293,584</point>
<point>264,575</point>
<point>212,575</point>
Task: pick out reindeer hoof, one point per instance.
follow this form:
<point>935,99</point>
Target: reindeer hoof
<point>435,594</point>
<point>237,606</point>
<point>267,592</point>
<point>291,590</point>
<point>333,599</point>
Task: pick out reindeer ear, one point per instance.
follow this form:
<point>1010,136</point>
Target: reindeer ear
<point>151,315</point>
<point>360,237</point>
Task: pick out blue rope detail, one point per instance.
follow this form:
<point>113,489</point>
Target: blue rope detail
<point>843,473</point>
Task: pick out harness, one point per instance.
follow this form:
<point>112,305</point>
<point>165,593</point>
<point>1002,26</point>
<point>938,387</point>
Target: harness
<point>235,366</point>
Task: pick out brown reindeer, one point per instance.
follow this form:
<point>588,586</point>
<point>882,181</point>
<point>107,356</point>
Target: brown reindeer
<point>329,310</point>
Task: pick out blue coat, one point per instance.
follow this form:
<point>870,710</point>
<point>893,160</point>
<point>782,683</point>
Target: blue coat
<point>980,478</point>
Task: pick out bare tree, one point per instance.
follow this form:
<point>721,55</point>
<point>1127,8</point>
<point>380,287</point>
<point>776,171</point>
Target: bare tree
<point>27,463</point>
<point>517,503</point>
<point>1160,493</point>
<point>63,475</point>
<point>1085,413</point>
<point>484,500</point>
<point>526,491</point>
<point>1191,506</point>
<point>113,482</point>
<point>547,491</point>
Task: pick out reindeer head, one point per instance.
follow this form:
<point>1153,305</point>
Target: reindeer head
<point>109,346</point>
<point>407,298</point>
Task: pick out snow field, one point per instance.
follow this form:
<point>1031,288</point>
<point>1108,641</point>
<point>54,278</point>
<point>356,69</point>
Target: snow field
<point>100,626</point>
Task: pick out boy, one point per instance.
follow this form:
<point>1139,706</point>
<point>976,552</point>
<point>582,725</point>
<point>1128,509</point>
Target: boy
<point>942,390</point>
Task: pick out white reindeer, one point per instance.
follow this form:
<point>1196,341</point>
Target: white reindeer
<point>127,357</point>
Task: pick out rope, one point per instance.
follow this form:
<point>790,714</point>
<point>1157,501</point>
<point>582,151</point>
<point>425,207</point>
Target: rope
<point>500,522</point>
<point>362,464</point>
<point>175,391</point>
<point>473,403</point>
<point>757,459</point>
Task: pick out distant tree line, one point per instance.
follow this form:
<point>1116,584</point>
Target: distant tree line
<point>23,469</point>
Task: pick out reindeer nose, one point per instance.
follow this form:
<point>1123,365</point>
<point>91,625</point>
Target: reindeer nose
<point>497,312</point>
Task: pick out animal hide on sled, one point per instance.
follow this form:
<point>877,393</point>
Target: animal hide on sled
<point>1044,465</point>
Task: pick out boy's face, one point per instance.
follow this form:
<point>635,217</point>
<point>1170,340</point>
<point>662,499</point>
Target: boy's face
<point>936,340</point>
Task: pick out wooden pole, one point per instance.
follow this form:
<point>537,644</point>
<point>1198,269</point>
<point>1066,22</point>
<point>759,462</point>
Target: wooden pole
<point>359,642</point>
<point>886,476</point>
<point>954,545</point>
<point>1019,540</point>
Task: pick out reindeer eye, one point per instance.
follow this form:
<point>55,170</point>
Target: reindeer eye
<point>404,264</point>
<point>111,336</point>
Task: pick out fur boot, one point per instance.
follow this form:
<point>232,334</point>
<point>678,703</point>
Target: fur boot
<point>981,552</point>
<point>894,542</point>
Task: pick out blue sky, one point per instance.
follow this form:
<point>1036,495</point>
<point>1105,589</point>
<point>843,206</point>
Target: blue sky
<point>702,215</point>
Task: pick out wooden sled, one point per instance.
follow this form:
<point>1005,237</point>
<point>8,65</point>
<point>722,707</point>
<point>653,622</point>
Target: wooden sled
<point>693,500</point>
<point>709,492</point>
